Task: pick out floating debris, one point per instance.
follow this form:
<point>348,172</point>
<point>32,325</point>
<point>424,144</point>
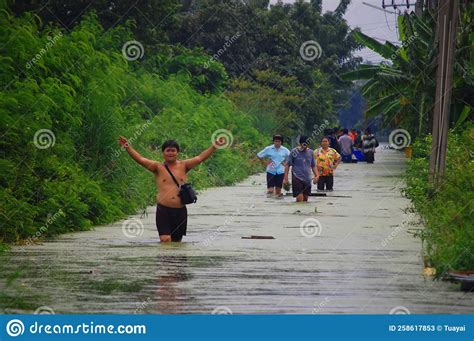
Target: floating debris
<point>259,237</point>
<point>465,277</point>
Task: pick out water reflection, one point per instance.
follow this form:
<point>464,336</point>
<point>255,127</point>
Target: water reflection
<point>170,297</point>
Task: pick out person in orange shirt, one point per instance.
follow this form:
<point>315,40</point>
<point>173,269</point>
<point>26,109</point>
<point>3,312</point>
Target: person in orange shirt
<point>327,161</point>
<point>353,134</point>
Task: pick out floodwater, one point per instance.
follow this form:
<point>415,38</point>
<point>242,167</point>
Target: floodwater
<point>355,254</point>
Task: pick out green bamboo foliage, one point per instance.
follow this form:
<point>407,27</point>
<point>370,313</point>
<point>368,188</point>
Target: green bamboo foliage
<point>79,86</point>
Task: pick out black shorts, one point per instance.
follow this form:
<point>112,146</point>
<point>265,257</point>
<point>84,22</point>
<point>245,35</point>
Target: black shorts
<point>171,221</point>
<point>299,186</point>
<point>327,180</point>
<point>275,180</point>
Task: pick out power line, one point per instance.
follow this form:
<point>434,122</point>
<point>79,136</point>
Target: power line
<point>380,9</point>
<point>406,4</point>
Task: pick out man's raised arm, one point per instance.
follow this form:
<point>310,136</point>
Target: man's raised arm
<point>191,163</point>
<point>151,165</point>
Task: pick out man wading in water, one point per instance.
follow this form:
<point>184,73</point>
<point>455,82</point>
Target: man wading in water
<point>171,214</point>
<point>302,163</point>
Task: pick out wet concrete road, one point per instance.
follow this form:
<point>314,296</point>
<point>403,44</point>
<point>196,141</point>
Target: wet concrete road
<point>350,252</point>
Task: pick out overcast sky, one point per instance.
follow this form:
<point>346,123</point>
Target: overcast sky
<point>373,22</point>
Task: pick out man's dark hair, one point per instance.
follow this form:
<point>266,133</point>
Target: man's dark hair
<point>345,131</point>
<point>168,144</point>
<point>304,140</point>
<point>277,137</point>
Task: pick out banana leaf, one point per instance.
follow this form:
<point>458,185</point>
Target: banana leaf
<point>384,50</point>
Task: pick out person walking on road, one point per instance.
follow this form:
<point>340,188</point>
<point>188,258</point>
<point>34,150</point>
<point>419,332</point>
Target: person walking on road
<point>302,163</point>
<point>369,143</point>
<point>346,144</point>
<point>275,157</point>
<point>331,135</point>
<point>327,161</point>
<point>171,213</point>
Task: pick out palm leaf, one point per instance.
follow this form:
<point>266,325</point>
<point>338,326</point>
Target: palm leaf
<point>381,105</point>
<point>363,72</point>
<point>384,50</point>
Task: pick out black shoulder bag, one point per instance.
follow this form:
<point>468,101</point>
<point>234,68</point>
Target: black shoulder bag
<point>186,191</point>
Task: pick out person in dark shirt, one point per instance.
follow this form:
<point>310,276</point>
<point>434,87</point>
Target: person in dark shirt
<point>302,163</point>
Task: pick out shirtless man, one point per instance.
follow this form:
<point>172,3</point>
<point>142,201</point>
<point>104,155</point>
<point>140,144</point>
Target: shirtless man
<point>171,214</point>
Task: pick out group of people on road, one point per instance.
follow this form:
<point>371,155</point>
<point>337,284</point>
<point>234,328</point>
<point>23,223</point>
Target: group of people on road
<point>353,145</point>
<point>314,166</point>
<point>307,167</point>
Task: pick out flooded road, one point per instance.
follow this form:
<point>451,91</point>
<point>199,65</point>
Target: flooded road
<point>350,252</point>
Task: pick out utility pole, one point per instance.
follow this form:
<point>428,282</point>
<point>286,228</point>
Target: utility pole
<point>448,11</point>
<point>419,8</point>
<point>446,33</point>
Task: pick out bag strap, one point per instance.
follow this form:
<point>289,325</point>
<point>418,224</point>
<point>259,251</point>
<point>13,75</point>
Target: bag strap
<point>174,179</point>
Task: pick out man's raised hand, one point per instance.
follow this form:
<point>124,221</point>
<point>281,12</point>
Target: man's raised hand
<point>123,142</point>
<point>220,142</point>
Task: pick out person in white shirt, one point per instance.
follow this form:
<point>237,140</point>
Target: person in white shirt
<point>274,157</point>
<point>346,144</point>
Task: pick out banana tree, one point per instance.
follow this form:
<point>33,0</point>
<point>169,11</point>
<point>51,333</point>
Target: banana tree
<point>402,89</point>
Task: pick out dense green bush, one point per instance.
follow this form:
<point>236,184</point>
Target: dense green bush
<point>448,211</point>
<point>79,86</point>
